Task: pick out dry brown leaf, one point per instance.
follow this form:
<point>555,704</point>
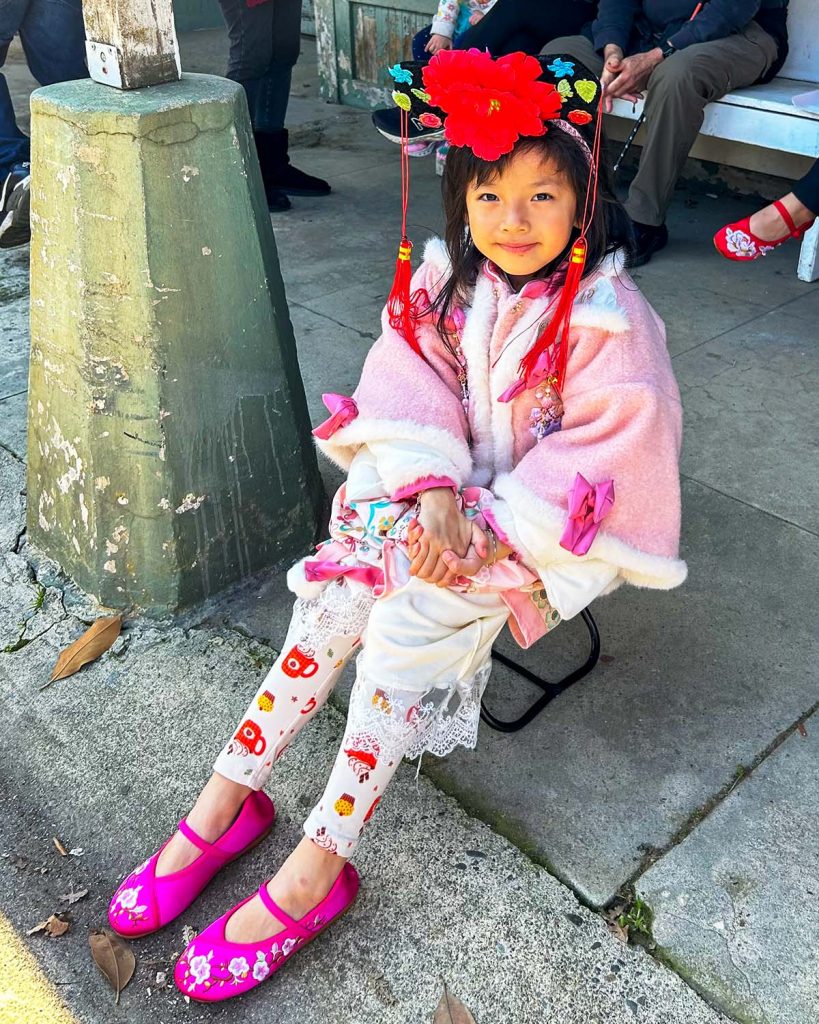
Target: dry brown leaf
<point>618,931</point>
<point>113,957</point>
<point>450,1010</point>
<point>54,927</point>
<point>73,897</point>
<point>95,641</point>
<point>60,848</point>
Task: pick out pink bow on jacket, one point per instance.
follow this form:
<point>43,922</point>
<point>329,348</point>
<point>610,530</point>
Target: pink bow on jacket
<point>588,506</point>
<point>344,411</point>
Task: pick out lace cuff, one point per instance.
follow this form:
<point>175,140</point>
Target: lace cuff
<point>395,723</point>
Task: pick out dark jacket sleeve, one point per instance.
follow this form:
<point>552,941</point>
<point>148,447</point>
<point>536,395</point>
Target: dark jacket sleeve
<point>717,19</point>
<point>614,22</point>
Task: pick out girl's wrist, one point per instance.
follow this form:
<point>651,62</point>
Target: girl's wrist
<point>441,496</point>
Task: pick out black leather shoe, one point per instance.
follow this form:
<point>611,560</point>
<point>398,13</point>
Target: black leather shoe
<point>648,239</point>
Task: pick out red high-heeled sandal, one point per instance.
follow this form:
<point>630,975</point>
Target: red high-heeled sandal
<point>737,242</point>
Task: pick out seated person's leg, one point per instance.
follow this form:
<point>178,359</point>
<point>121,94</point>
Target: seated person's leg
<point>578,47</point>
<point>677,93</point>
<point>424,649</point>
<point>53,37</point>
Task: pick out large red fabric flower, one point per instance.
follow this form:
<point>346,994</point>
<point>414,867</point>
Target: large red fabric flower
<point>490,103</point>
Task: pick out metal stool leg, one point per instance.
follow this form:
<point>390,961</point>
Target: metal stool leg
<point>551,690</point>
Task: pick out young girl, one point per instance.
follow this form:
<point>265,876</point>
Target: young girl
<point>498,472</point>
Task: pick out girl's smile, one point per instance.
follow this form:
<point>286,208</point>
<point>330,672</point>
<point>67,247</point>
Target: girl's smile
<point>523,218</point>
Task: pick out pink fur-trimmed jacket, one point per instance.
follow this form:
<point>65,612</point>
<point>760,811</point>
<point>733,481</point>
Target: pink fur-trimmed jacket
<point>621,423</point>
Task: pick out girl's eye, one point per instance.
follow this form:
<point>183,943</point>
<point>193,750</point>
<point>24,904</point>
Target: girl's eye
<point>543,195</point>
<point>487,197</point>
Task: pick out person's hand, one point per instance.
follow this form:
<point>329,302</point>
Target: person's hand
<point>476,17</point>
<point>478,554</point>
<point>440,527</point>
<point>612,60</point>
<point>627,77</point>
<point>437,42</point>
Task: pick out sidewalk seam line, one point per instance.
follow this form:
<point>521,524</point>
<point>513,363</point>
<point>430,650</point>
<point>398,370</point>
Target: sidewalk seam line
<point>698,816</point>
<point>748,504</point>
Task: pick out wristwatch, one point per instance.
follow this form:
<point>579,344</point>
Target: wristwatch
<point>667,50</point>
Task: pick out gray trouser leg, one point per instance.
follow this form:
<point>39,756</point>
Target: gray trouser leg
<point>678,91</point>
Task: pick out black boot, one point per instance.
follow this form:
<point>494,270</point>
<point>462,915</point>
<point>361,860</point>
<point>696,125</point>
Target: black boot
<point>648,239</point>
<point>277,201</point>
<point>283,174</point>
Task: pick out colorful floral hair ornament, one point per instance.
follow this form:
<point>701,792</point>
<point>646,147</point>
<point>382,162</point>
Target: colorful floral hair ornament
<point>490,103</point>
<point>400,74</point>
<point>560,68</point>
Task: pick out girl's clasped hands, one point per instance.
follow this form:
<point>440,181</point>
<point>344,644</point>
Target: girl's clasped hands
<point>444,544</point>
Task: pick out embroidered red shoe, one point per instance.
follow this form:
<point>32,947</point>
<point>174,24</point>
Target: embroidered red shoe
<point>737,242</point>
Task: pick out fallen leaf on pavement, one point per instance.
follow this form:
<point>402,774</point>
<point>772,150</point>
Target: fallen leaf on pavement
<point>60,848</point>
<point>618,931</point>
<point>95,641</point>
<point>450,1010</point>
<point>55,926</point>
<point>74,897</point>
<point>113,957</point>
<point>188,934</point>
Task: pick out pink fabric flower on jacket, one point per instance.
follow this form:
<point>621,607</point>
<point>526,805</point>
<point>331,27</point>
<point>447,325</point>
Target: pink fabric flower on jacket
<point>589,504</point>
<point>344,411</point>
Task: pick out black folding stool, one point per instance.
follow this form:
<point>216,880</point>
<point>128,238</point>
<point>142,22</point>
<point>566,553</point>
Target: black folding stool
<point>550,690</point>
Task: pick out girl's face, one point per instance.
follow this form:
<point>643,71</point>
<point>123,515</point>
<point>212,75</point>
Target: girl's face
<point>523,218</point>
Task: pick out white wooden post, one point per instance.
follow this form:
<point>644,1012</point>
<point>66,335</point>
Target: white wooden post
<point>809,255</point>
<point>131,43</point>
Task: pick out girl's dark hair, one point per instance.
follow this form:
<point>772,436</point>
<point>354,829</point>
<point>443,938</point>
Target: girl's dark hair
<point>609,230</point>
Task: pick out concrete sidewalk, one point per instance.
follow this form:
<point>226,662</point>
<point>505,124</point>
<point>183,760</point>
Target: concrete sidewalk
<point>704,703</point>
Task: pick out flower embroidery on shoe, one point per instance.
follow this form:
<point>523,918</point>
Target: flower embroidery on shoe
<point>239,968</point>
<point>260,968</point>
<point>287,946</point>
<point>741,244</point>
<point>127,897</point>
<point>199,966</point>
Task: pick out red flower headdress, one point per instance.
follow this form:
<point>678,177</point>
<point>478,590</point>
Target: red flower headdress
<point>490,103</point>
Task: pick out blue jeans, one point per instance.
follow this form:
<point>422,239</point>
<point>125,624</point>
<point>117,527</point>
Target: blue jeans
<point>53,38</point>
<point>264,47</point>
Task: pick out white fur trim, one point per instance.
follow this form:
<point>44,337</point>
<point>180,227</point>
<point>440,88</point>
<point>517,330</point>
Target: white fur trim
<point>435,252</point>
<point>475,341</point>
<point>298,585</point>
<point>444,455</point>
<point>535,530</point>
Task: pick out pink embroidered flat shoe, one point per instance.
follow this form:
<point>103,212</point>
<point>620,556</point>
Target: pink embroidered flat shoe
<point>213,969</point>
<point>737,241</point>
<point>144,903</point>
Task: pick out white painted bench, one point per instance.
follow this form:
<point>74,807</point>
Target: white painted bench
<point>764,115</point>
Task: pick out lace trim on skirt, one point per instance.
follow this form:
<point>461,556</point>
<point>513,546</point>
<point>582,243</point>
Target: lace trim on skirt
<point>396,723</point>
<point>339,610</point>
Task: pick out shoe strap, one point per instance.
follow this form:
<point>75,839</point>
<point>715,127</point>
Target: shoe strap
<point>281,916</point>
<point>202,844</point>
<point>783,213</point>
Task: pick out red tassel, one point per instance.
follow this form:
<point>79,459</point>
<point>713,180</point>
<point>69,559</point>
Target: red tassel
<point>401,309</point>
<point>555,336</point>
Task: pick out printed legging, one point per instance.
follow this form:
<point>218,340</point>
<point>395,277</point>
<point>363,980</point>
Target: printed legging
<point>419,634</point>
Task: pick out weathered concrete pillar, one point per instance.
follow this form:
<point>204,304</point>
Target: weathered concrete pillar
<point>169,441</point>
